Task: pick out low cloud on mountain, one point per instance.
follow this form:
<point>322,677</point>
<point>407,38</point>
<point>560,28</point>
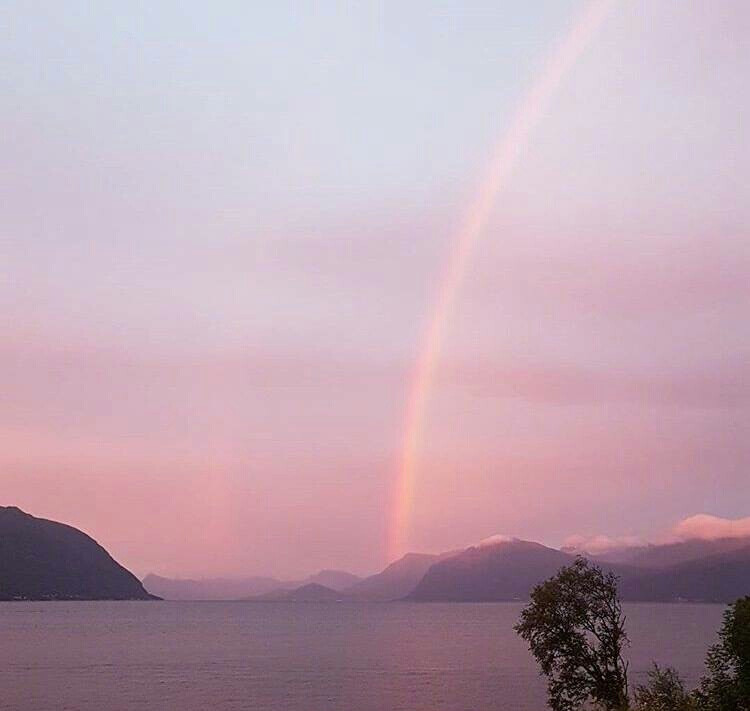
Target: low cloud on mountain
<point>699,526</point>
<point>708,527</point>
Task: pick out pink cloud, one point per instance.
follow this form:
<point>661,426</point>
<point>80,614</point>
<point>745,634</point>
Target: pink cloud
<point>495,539</point>
<point>599,544</point>
<point>709,527</point>
<point>573,384</point>
<point>699,526</point>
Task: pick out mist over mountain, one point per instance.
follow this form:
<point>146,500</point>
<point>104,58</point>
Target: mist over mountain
<point>397,580</point>
<point>502,569</point>
<point>393,583</point>
<point>240,588</point>
<point>667,554</point>
<point>46,560</point>
<point>334,579</point>
<point>210,588</point>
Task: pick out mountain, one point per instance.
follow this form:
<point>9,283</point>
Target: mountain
<point>210,588</point>
<point>501,571</point>
<point>334,579</point>
<point>397,580</point>
<point>669,554</point>
<point>509,570</point>
<point>46,560</point>
<point>393,583</point>
<point>721,577</point>
<point>498,570</point>
<point>240,588</point>
<point>311,592</point>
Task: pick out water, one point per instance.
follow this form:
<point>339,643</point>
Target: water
<point>103,656</point>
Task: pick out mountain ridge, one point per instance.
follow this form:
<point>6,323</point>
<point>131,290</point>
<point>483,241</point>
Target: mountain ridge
<point>214,589</point>
<point>309,592</point>
<point>509,571</point>
<point>696,569</point>
<point>396,580</point>
<point>47,560</point>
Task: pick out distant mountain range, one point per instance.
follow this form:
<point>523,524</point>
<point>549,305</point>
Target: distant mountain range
<point>241,588</point>
<point>393,583</point>
<point>721,577</point>
<point>334,579</point>
<point>310,592</point>
<point>718,572</point>
<point>667,554</point>
<point>45,560</point>
<point>210,588</point>
<point>697,570</point>
<point>397,580</point>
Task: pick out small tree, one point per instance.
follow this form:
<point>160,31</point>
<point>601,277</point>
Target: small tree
<point>726,686</point>
<point>576,631</point>
<point>663,692</point>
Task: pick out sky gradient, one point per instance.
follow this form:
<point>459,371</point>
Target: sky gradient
<point>223,232</point>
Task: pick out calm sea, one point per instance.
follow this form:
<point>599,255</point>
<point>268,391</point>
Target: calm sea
<point>300,657</point>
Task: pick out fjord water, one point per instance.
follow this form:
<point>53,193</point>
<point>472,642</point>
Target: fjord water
<point>301,657</point>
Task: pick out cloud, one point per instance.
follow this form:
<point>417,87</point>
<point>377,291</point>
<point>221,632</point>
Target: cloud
<point>599,544</point>
<point>642,276</point>
<point>705,388</point>
<point>707,527</point>
<point>699,526</point>
<point>495,540</point>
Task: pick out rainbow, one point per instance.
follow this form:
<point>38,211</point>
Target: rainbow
<point>504,159</point>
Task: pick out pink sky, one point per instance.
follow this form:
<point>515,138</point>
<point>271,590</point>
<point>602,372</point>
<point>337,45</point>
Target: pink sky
<point>221,237</point>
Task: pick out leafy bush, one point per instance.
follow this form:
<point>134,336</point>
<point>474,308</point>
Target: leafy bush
<point>663,692</point>
<point>726,686</point>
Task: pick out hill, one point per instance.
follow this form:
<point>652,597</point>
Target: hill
<point>311,592</point>
<point>397,580</point>
<point>668,554</point>
<point>240,588</point>
<point>334,579</point>
<point>46,560</point>
<point>501,571</point>
<point>509,570</point>
<point>209,588</point>
<point>721,577</point>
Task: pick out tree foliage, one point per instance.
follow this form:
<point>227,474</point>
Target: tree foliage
<point>726,686</point>
<point>576,631</point>
<point>664,691</point>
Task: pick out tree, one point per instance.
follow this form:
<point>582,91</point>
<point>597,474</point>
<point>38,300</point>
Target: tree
<point>576,631</point>
<point>726,686</point>
<point>663,692</point>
